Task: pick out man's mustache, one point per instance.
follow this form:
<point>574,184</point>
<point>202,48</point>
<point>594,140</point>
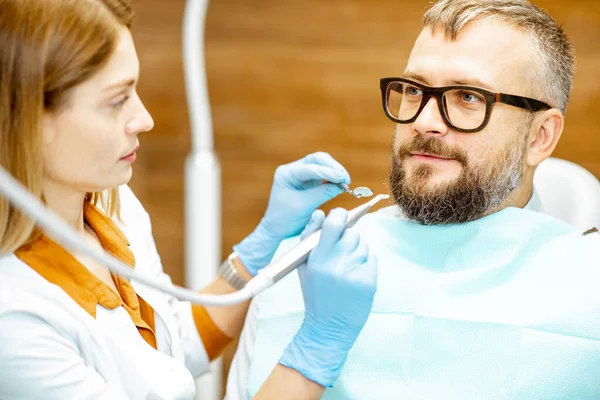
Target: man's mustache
<point>431,146</point>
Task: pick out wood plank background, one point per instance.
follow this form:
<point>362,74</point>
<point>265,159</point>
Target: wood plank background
<point>289,77</point>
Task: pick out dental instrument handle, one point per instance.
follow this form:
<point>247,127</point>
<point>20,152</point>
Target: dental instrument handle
<point>295,257</point>
<point>345,187</point>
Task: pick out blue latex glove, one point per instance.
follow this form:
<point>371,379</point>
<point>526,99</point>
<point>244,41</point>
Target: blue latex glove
<point>298,189</point>
<point>338,283</point>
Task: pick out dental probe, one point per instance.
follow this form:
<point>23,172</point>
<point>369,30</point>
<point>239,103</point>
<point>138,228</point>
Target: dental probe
<point>65,235</point>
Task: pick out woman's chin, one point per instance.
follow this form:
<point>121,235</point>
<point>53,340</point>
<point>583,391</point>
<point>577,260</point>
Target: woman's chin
<point>117,180</point>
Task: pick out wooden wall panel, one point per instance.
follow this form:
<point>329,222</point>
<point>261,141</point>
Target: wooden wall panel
<point>289,77</point>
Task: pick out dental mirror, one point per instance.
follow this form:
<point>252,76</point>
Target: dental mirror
<point>357,192</point>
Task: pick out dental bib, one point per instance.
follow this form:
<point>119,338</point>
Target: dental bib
<point>505,307</point>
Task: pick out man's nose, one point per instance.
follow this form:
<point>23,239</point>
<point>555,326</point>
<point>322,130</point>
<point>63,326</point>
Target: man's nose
<point>430,120</point>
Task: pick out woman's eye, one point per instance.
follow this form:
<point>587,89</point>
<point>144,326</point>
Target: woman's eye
<point>119,103</point>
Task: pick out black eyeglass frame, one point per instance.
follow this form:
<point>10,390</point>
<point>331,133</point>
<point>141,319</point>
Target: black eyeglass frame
<point>438,93</point>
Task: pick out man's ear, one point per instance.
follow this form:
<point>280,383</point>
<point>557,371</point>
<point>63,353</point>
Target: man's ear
<point>549,127</point>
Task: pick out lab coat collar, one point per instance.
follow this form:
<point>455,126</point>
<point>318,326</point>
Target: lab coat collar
<point>59,267</point>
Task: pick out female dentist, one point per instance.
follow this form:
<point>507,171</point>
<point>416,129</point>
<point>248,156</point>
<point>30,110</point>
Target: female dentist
<point>69,329</point>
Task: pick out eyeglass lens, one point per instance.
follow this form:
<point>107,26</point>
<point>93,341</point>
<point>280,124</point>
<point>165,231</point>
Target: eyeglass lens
<point>464,109</point>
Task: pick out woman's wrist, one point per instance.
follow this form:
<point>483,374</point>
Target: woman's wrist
<point>257,250</point>
<point>241,268</point>
<point>233,272</point>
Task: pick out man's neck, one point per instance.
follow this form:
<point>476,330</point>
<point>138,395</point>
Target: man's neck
<point>518,199</point>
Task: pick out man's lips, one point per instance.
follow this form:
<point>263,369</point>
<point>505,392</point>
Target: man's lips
<point>429,156</point>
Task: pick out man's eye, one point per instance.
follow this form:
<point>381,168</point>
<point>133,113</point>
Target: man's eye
<point>413,91</point>
<point>469,97</point>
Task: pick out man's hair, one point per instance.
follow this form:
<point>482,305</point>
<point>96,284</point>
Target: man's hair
<point>553,77</point>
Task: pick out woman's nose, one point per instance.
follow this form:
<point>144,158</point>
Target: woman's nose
<point>141,122</point>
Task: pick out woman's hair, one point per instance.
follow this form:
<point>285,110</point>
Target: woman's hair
<point>47,47</point>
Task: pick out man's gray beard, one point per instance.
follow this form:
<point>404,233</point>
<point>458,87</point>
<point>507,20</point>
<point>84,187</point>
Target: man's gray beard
<point>481,188</point>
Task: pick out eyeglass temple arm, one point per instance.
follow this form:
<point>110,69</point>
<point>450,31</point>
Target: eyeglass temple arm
<point>522,102</point>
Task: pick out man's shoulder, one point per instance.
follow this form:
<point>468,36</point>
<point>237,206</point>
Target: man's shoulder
<point>583,243</point>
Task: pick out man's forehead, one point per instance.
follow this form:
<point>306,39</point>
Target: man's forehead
<point>487,51</point>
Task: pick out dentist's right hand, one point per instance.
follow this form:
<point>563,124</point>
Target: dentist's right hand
<point>338,283</point>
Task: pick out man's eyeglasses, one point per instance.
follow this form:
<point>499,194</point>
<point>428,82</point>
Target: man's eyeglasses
<point>463,108</point>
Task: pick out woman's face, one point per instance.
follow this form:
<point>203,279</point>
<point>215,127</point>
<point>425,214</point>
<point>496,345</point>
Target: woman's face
<point>89,144</point>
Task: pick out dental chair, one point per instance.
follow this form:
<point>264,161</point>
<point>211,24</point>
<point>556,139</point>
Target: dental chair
<point>569,192</point>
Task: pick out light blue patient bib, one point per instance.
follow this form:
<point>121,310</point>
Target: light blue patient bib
<point>506,307</point>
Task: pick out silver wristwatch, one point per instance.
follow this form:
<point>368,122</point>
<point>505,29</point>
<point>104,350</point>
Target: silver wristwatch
<point>228,272</point>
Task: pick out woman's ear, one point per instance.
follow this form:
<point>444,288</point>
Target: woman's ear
<point>48,128</point>
<point>549,126</point>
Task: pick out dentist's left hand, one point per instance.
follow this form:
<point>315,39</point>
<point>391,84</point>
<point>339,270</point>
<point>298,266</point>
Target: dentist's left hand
<point>297,191</point>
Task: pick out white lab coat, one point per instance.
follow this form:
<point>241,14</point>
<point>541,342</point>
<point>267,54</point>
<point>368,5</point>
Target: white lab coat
<point>51,348</point>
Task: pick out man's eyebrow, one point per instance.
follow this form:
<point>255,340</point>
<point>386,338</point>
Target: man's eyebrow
<point>471,82</point>
<point>122,84</point>
<point>415,77</point>
<point>461,82</point>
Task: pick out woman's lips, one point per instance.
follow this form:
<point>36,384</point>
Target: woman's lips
<point>131,156</point>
